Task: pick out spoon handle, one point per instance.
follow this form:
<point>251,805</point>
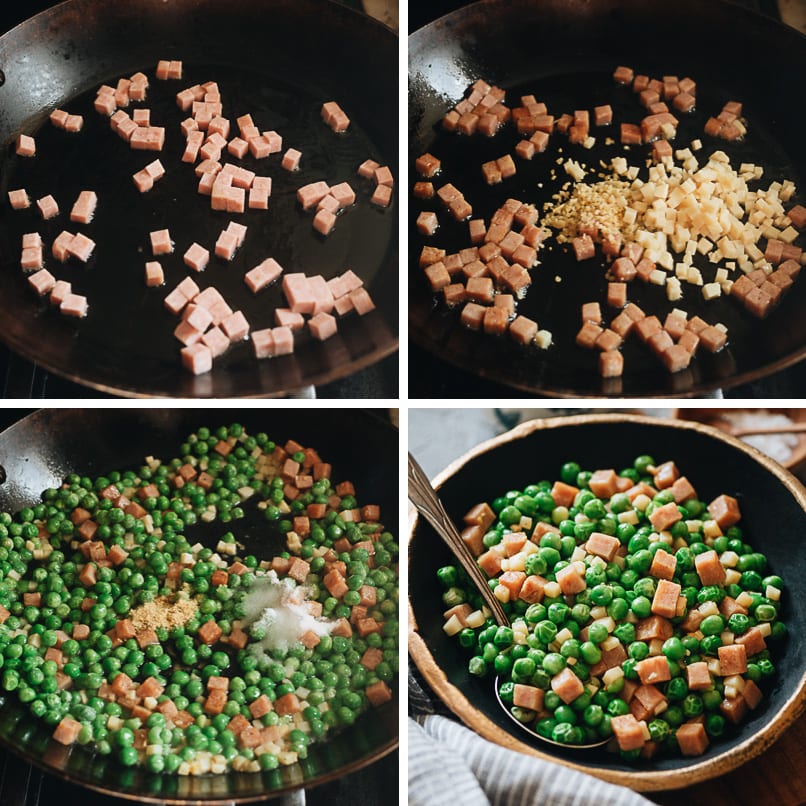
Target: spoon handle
<point>422,495</point>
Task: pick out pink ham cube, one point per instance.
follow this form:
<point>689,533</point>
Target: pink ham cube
<point>187,126</point>
<point>310,195</point>
<point>154,274</point>
<point>220,126</point>
<point>258,199</point>
<point>343,194</point>
<point>163,69</point>
<point>142,181</point>
<point>206,184</point>
<point>334,116</point>
<point>381,196</point>
<point>31,258</point>
<point>174,70</point>
<point>31,240</point>
<point>323,222</point>
<point>329,203</point>
<point>321,293</point>
<point>42,282</point>
<point>81,247</point>
<point>284,317</point>
<point>362,302</point>
<point>242,178</point>
<point>197,257</point>
<point>155,170</point>
<point>343,305</point>
<point>26,146</point>
<point>197,358</point>
<point>18,199</point>
<point>259,147</point>
<point>126,129</point>
<point>291,159</point>
<point>74,305</point>
<point>47,207</point>
<point>188,289</point>
<point>283,341</point>
<point>351,280</point>
<point>60,290</point>
<point>104,105</point>
<point>238,147</point>
<point>142,117</point>
<point>84,208</point>
<point>60,245</point>
<point>322,326</point>
<point>175,301</point>
<point>274,140</point>
<point>298,293</point>
<point>161,243</point>
<point>236,200</point>
<point>226,245</point>
<point>197,317</point>
<point>235,326</point>
<point>238,230</point>
<point>263,343</point>
<point>58,117</point>
<point>383,176</point>
<point>216,341</point>
<point>74,123</point>
<point>367,169</point>
<point>263,275</point>
<point>187,334</point>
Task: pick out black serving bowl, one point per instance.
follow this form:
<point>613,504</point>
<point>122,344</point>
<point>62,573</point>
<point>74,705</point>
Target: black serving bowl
<point>40,450</point>
<point>772,502</point>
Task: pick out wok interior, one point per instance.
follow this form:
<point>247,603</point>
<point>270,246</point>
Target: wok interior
<point>41,449</point>
<point>772,520</point>
<point>544,47</point>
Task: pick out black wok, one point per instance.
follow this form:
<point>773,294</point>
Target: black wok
<point>41,449</point>
<point>565,52</point>
<point>279,60</point>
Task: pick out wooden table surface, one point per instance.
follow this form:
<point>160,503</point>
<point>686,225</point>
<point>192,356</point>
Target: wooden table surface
<point>776,777</point>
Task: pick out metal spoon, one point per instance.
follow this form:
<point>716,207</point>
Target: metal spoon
<point>427,503</point>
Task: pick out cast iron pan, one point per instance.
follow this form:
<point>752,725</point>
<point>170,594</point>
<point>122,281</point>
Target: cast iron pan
<point>278,60</point>
<point>772,503</point>
<point>39,451</point>
<point>564,52</point>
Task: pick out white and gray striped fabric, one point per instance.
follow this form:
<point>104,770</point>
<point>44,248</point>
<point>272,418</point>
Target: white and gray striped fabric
<point>450,765</point>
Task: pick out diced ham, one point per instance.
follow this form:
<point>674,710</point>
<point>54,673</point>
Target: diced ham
<point>47,207</point>
<point>322,326</point>
<point>197,257</point>
<point>628,732</point>
<point>664,602</point>
<point>664,517</point>
<point>284,317</point>
<point>602,545</point>
<point>42,282</point>
<point>725,511</point>
<point>291,159</point>
<point>74,305</point>
<point>382,196</point>
<point>567,686</point>
<point>709,569</point>
<point>334,116</point>
<point>61,289</point>
<point>235,326</point>
<point>692,739</point>
<point>197,358</point>
<point>753,641</point>
<point>161,243</point>
<point>67,731</point>
<point>26,146</point>
<point>653,670</point>
<point>18,199</point>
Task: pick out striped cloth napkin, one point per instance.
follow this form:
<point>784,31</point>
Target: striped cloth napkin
<point>450,765</point>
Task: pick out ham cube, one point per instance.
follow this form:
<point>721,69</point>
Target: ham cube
<point>61,244</point>
<point>154,274</point>
<point>361,301</point>
<point>263,275</point>
<point>602,545</point>
<point>334,116</point>
<point>74,305</point>
<point>18,199</point>
<point>31,240</point>
<point>235,326</point>
<point>142,181</point>
<point>382,196</point>
<point>161,243</point>
<point>238,230</point>
<point>343,194</point>
<point>216,340</point>
<point>291,159</point>
<point>84,208</point>
<point>324,221</point>
<point>47,207</point>
<point>298,293</point>
<point>273,342</point>
<point>42,282</point>
<point>367,169</point>
<point>310,195</point>
<point>725,511</point>
<point>664,602</point>
<point>654,670</point>
<point>226,245</point>
<point>58,117</point>
<point>709,569</point>
<point>81,247</point>
<point>284,317</point>
<point>74,123</point>
<point>189,289</point>
<point>197,257</point>
<point>329,204</point>
<point>628,732</point>
<point>322,326</point>
<point>31,258</point>
<point>238,147</point>
<point>197,358</point>
<point>26,146</point>
<point>698,676</point>
<point>692,739</point>
<point>258,198</point>
<point>174,70</point>
<point>567,685</point>
<point>186,332</point>
<point>61,288</point>
<point>142,117</point>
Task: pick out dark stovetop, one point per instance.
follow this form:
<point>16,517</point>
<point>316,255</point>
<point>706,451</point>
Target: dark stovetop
<point>23,379</point>
<point>430,377</point>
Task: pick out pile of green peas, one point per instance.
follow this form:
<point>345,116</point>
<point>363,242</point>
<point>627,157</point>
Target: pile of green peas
<point>626,593</point>
<point>38,554</point>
